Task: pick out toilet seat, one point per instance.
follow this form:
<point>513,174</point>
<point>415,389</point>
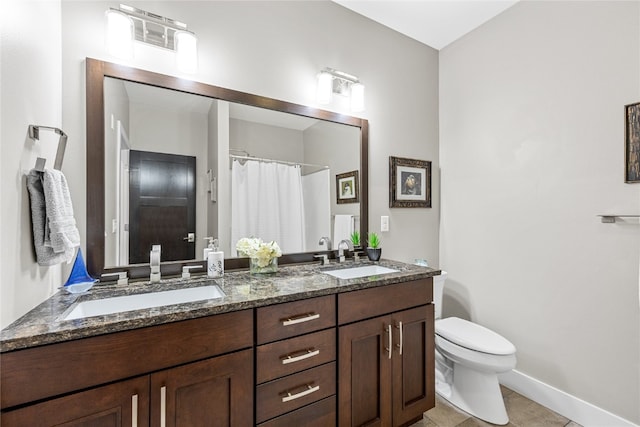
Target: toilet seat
<point>473,336</point>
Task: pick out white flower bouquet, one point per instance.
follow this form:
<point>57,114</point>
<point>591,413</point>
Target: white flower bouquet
<point>261,253</point>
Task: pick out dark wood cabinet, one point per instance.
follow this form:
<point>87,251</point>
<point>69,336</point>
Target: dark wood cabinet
<point>364,357</point>
<point>387,366</point>
<point>189,373</point>
<point>364,377</point>
<point>413,368</point>
<point>213,392</point>
<point>125,403</point>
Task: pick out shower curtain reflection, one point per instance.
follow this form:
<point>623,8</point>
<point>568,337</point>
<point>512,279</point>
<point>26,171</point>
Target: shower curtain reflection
<point>267,202</point>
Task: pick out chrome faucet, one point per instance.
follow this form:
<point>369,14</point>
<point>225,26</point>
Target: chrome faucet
<point>326,240</point>
<point>341,248</point>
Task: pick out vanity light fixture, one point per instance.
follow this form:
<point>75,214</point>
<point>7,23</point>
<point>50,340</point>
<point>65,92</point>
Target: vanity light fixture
<point>332,81</point>
<point>126,24</point>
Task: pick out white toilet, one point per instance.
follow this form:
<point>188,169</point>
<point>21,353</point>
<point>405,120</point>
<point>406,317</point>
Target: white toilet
<point>468,359</point>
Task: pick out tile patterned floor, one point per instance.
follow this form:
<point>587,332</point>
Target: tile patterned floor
<point>522,413</point>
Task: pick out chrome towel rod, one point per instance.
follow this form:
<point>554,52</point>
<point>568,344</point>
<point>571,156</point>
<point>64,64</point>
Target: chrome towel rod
<point>610,219</point>
<point>34,133</point>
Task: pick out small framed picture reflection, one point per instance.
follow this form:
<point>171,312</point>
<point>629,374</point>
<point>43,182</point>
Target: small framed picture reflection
<point>632,143</point>
<point>347,187</point>
<point>409,183</point>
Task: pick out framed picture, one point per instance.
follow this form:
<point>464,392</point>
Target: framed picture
<point>632,143</point>
<point>409,183</point>
<point>347,187</point>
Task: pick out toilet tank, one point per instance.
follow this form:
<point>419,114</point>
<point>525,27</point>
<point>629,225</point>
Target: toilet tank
<point>438,290</point>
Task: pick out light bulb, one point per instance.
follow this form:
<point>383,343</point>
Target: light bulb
<point>119,34</point>
<point>325,88</point>
<point>357,97</point>
<point>186,51</point>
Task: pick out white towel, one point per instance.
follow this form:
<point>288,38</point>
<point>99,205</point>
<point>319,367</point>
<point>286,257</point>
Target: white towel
<point>55,235</point>
<point>342,228</point>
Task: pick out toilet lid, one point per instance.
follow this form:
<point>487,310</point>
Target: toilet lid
<point>473,336</point>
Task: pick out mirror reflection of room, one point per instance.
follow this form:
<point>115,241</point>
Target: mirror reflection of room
<point>162,152</point>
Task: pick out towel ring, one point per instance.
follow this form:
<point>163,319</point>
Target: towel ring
<point>34,133</point>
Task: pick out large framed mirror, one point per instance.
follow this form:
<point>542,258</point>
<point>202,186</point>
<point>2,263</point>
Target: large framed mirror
<point>167,155</point>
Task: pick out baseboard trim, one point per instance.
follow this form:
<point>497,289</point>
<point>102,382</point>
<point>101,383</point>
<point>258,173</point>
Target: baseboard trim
<point>568,406</point>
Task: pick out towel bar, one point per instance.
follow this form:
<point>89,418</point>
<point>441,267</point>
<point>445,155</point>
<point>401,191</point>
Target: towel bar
<point>34,133</point>
<point>609,219</point>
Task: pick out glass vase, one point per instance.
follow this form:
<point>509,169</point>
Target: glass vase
<point>255,266</point>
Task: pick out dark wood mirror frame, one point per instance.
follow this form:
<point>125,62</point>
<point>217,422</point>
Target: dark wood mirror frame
<point>96,71</point>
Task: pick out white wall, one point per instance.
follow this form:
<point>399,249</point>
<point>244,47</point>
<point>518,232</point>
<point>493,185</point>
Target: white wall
<point>31,80</point>
<point>531,140</point>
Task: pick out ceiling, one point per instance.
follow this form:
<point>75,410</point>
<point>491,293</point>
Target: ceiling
<point>435,23</point>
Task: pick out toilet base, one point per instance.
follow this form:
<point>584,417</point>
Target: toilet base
<point>475,392</point>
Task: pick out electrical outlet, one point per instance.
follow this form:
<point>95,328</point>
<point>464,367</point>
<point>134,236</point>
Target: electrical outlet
<point>384,223</point>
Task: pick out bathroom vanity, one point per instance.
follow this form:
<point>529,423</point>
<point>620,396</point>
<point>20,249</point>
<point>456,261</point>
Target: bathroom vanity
<point>301,347</point>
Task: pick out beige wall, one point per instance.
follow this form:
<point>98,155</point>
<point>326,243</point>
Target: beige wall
<point>30,82</point>
<point>531,140</point>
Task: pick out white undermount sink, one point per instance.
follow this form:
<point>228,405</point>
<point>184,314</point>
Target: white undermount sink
<point>105,306</point>
<point>356,272</point>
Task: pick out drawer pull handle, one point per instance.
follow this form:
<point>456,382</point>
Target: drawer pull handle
<point>399,326</point>
<point>134,410</point>
<point>163,406</point>
<point>300,319</point>
<point>310,389</point>
<point>307,354</point>
<point>389,349</point>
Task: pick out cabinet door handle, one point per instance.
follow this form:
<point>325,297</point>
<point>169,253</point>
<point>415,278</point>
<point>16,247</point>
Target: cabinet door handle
<point>389,349</point>
<point>134,410</point>
<point>401,344</point>
<point>307,354</point>
<point>163,406</point>
<point>300,319</point>
<point>310,389</point>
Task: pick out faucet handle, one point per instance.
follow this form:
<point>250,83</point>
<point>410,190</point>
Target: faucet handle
<point>122,277</point>
<point>356,256</point>
<point>186,270</point>
<point>324,259</point>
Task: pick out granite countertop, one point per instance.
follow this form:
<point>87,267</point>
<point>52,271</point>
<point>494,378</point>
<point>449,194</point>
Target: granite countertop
<point>45,325</point>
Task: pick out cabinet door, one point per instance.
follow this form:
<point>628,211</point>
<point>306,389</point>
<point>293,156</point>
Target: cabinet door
<point>213,392</point>
<point>125,403</point>
<point>364,378</point>
<point>413,364</point>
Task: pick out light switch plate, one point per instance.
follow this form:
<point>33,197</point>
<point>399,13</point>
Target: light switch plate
<point>384,223</point>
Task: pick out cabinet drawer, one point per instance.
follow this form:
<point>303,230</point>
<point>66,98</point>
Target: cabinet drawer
<point>286,394</point>
<point>295,354</point>
<point>372,302</point>
<point>319,414</point>
<point>287,320</point>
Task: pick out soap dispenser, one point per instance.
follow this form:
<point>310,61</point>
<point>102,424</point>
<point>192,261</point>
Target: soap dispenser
<point>215,260</point>
<point>209,248</point>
